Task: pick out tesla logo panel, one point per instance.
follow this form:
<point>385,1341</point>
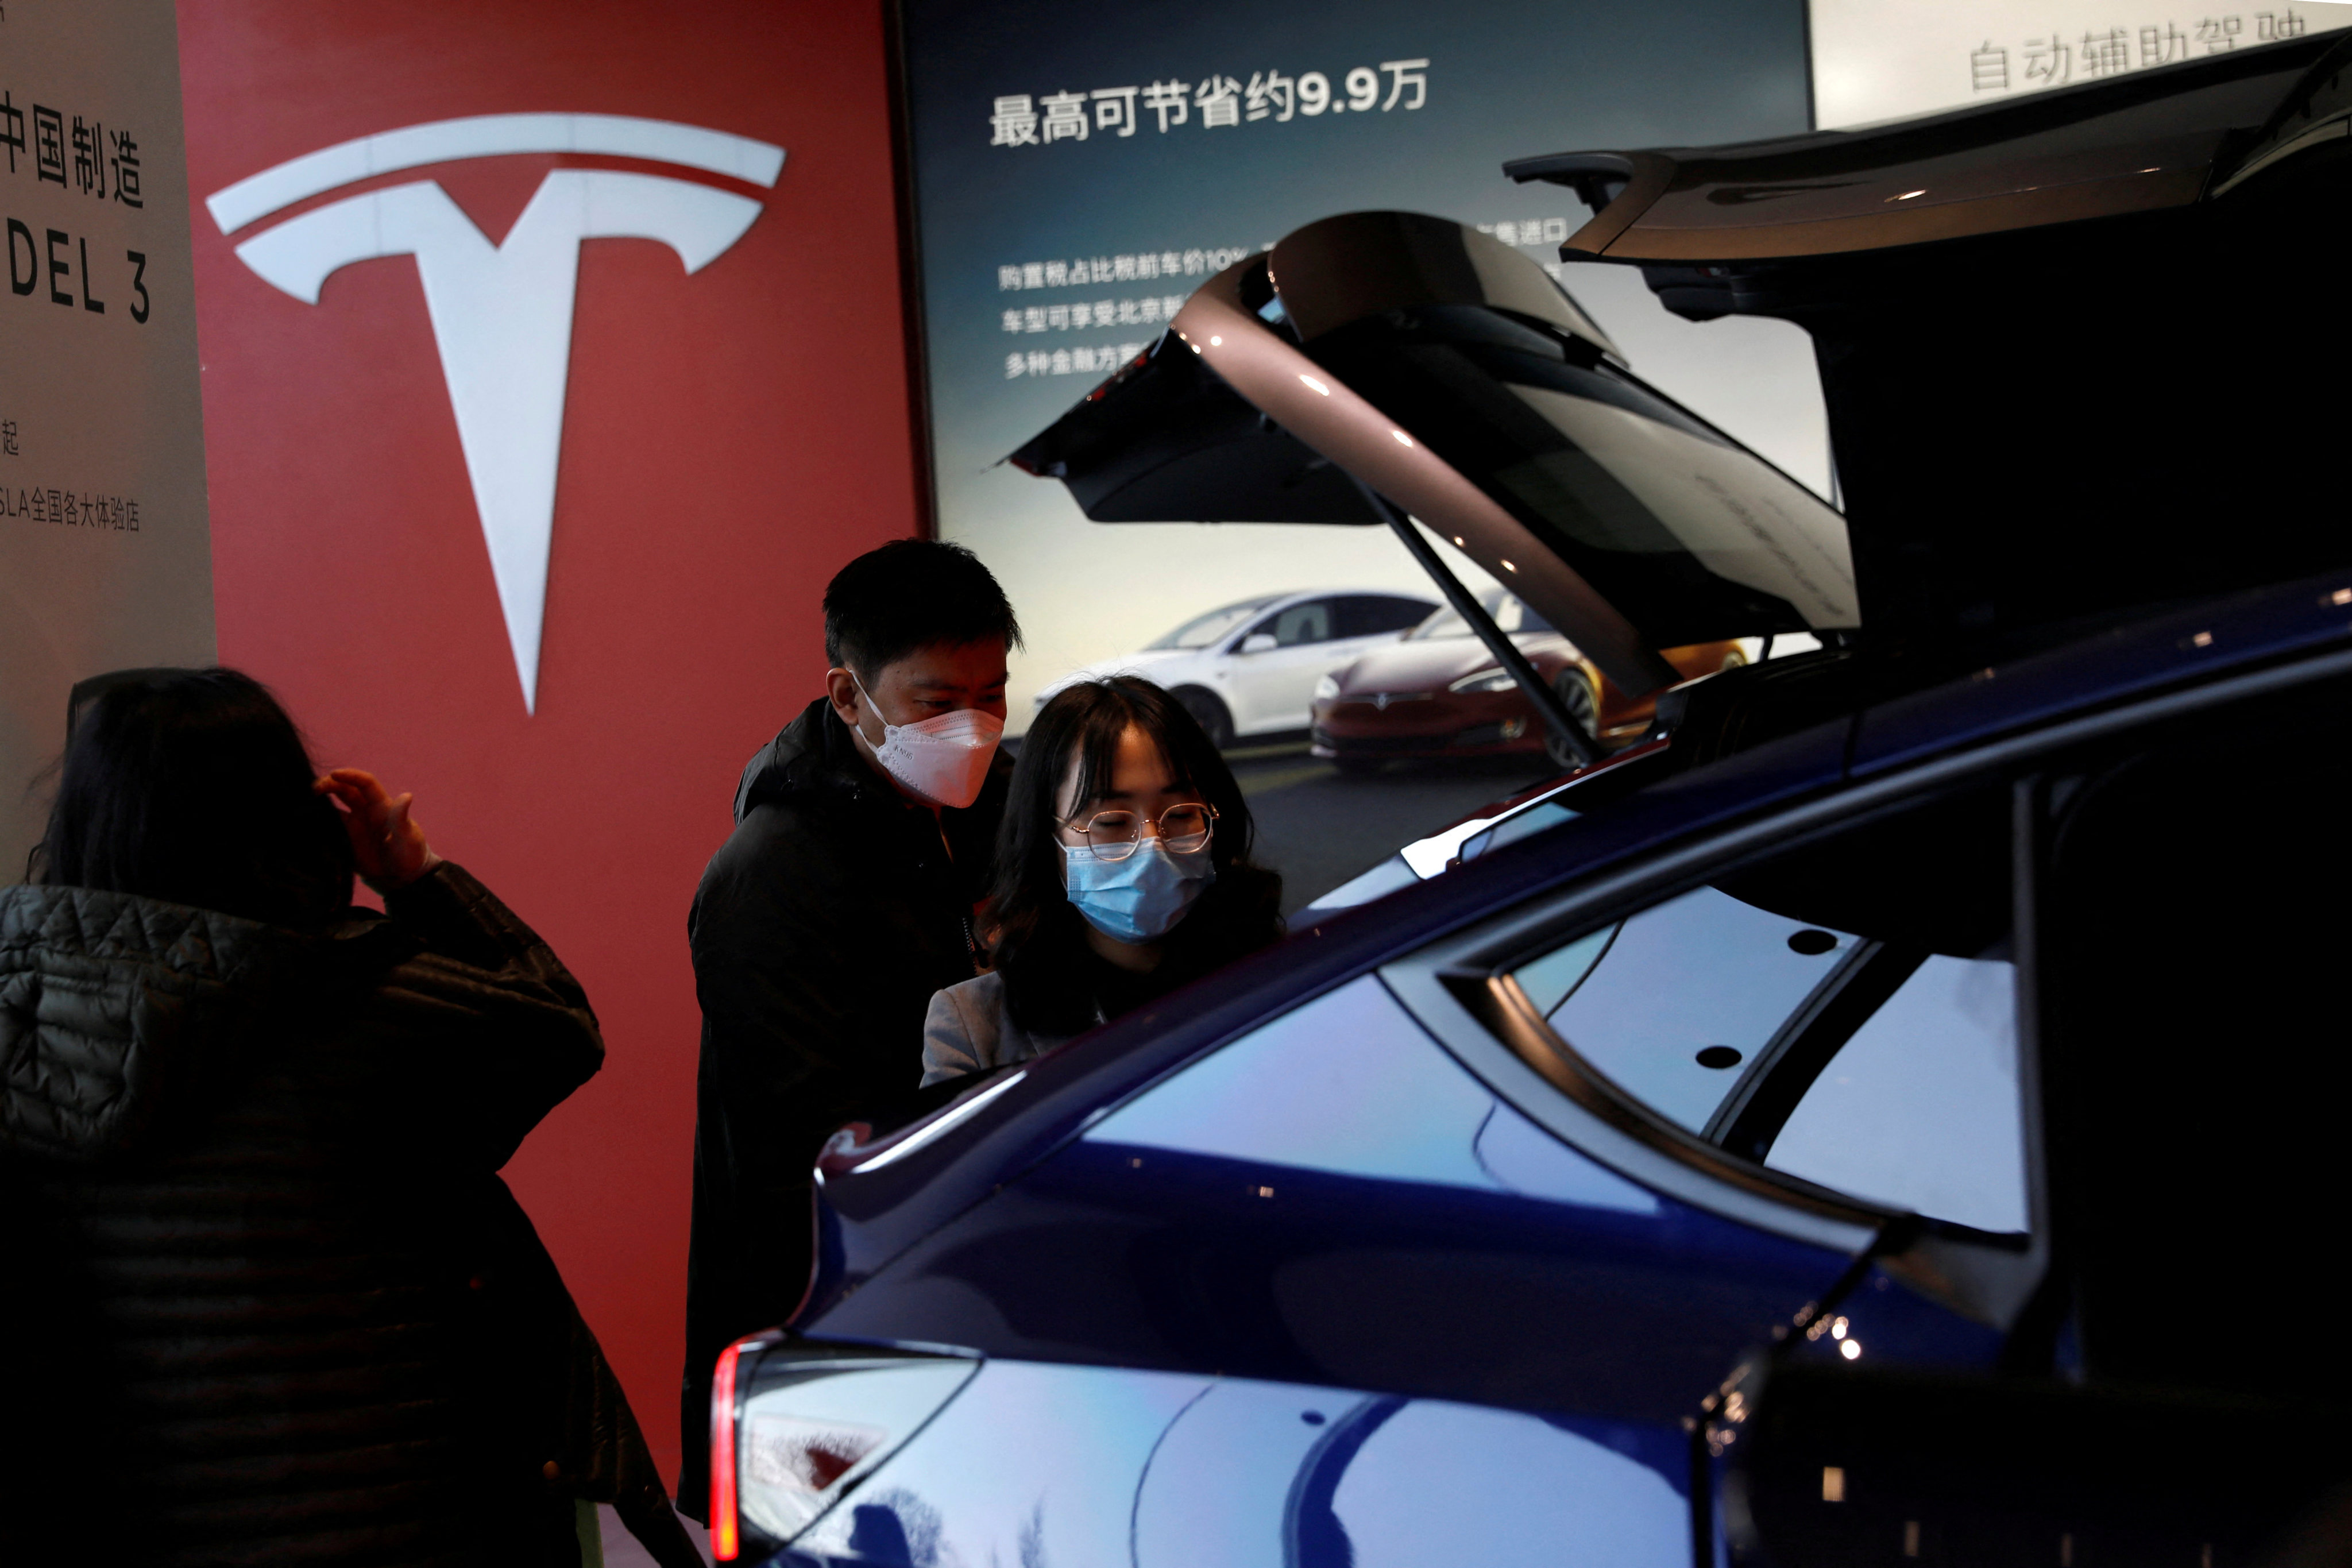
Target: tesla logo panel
<point>501,314</point>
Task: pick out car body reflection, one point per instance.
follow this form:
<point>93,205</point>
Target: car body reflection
<point>1041,1464</point>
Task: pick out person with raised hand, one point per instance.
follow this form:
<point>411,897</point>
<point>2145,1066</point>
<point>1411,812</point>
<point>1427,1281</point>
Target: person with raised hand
<point>388,848</point>
<point>263,1296</point>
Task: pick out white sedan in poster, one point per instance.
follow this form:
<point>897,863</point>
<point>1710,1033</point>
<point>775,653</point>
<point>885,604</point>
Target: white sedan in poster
<point>1249,668</point>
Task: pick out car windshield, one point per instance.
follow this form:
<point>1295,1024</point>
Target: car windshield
<point>1621,479</point>
<point>1508,612</point>
<point>1202,630</point>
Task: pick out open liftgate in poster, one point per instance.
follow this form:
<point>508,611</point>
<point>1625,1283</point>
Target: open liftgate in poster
<point>105,551</point>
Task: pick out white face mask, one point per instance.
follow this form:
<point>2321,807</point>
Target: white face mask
<point>943,760</point>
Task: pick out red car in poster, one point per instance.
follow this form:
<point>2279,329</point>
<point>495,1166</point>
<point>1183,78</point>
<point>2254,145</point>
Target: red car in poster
<point>1439,693</point>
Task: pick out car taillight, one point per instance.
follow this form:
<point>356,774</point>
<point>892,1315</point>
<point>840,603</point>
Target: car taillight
<point>814,1420</point>
<point>726,1538</point>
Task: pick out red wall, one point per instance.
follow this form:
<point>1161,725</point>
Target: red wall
<point>730,440</point>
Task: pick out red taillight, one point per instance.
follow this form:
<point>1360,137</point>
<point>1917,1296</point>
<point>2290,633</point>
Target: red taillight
<point>725,1538</point>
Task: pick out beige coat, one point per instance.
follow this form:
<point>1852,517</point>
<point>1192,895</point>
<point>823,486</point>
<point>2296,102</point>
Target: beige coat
<point>969,1031</point>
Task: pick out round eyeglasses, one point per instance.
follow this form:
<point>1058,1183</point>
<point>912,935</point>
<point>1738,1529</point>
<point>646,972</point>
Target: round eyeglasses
<point>1184,830</point>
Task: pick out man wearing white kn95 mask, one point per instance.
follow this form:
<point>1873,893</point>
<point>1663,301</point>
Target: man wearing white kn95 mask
<point>845,896</point>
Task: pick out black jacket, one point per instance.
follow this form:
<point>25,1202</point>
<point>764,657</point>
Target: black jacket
<point>821,929</point>
<point>263,1297</point>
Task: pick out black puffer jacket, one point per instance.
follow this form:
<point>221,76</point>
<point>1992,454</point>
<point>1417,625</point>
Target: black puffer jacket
<point>265,1298</point>
<point>820,930</point>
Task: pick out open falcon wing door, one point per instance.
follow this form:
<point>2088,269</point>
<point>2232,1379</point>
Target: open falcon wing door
<point>2079,347</point>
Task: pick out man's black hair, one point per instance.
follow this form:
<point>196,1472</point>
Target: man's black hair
<point>907,595</point>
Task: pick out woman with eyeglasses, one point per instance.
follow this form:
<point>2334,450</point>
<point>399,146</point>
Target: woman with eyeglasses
<point>1122,872</point>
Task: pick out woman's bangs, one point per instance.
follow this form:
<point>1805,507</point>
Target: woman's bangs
<point>1112,711</point>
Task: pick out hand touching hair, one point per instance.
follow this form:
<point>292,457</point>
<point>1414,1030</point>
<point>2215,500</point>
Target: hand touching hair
<point>387,845</point>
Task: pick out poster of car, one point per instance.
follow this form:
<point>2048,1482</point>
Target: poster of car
<point>1079,169</point>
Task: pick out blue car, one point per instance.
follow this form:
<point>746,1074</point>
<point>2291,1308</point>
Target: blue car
<point>1895,1114</point>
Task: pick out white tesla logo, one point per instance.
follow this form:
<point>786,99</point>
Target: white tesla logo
<point>501,314</point>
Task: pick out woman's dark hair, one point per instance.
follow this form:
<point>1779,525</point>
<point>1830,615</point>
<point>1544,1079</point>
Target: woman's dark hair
<point>1039,936</point>
<point>192,786</point>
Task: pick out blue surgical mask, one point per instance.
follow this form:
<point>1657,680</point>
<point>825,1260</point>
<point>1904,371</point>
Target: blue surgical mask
<point>1140,899</point>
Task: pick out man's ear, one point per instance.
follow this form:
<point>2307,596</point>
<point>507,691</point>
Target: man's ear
<point>841,689</point>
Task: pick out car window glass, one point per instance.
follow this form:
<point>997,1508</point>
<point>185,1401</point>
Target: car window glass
<point>1375,614</point>
<point>1844,1013</point>
<point>1919,1109</point>
<point>1202,630</point>
<point>1680,529</point>
<point>1403,615</point>
<point>2194,994</point>
<point>1301,624</point>
<point>1445,623</point>
<point>1670,1004</point>
<point>1508,612</point>
<point>1629,484</point>
<point>1513,615</point>
<point>1548,980</point>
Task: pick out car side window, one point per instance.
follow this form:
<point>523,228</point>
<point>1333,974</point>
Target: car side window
<point>1845,1015</point>
<point>1672,1002</point>
<point>1377,615</point>
<point>1300,624</point>
<point>1919,1108</point>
